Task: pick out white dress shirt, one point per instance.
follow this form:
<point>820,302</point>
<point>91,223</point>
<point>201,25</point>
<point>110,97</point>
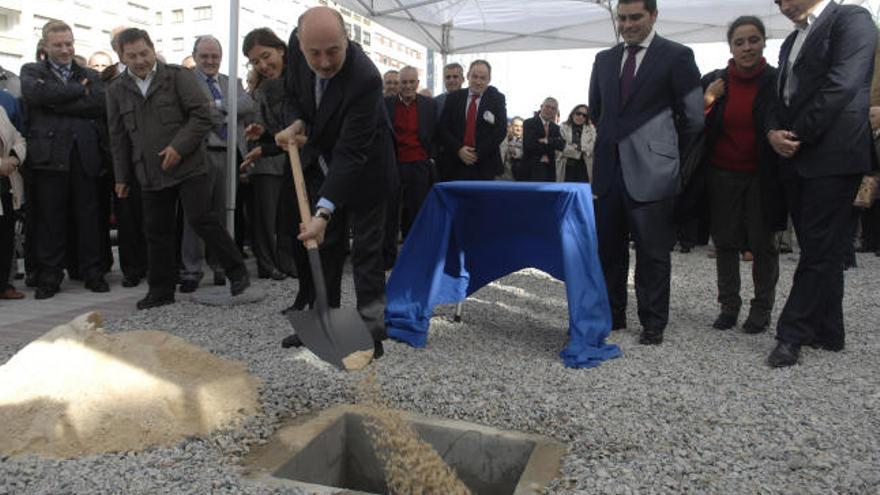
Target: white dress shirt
<point>143,84</point>
<point>640,55</point>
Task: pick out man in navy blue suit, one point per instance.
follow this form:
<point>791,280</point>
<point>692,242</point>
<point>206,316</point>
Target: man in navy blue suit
<point>821,130</point>
<point>471,128</point>
<point>646,102</point>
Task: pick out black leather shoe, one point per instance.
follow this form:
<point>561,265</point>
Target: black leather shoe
<point>757,322</point>
<point>725,321</point>
<point>651,337</point>
<point>291,340</point>
<point>240,283</point>
<point>378,349</point>
<point>827,346</point>
<point>785,354</point>
<point>45,291</point>
<point>752,328</point>
<point>220,278</point>
<point>153,300</point>
<point>97,284</point>
<point>132,281</point>
<point>188,286</point>
<point>277,275</point>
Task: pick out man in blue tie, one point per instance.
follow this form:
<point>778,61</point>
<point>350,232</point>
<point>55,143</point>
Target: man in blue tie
<point>64,104</point>
<point>208,54</point>
<point>647,105</point>
<point>337,115</point>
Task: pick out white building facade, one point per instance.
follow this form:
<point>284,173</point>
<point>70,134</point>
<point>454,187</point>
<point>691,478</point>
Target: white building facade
<point>174,26</point>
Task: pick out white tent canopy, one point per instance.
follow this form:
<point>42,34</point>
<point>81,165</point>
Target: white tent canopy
<point>468,26</point>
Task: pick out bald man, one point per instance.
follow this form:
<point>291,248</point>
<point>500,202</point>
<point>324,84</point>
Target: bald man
<point>337,115</point>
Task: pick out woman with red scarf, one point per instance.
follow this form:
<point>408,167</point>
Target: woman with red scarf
<point>744,194</point>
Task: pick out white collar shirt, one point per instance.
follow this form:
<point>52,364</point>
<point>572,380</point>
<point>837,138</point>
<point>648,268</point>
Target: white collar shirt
<point>143,84</point>
<point>477,102</point>
<point>640,55</point>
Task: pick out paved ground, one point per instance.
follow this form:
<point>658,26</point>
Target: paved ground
<point>24,320</point>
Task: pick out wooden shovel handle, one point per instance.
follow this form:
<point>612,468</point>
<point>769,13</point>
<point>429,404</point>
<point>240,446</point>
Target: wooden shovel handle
<point>302,198</point>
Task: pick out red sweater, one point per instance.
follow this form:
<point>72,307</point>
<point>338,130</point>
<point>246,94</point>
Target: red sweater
<point>735,148</point>
<point>406,129</point>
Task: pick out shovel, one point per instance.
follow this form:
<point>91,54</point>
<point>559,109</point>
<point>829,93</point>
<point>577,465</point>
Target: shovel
<point>336,335</point>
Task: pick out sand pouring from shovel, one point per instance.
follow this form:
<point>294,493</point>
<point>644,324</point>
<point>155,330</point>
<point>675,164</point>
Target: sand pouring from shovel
<point>336,335</point>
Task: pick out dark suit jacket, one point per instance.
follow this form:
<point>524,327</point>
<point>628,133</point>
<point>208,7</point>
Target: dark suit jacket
<point>829,105</point>
<point>533,130</point>
<point>62,115</point>
<point>175,112</point>
<point>491,130</point>
<point>427,114</point>
<point>650,131</point>
<point>350,129</point>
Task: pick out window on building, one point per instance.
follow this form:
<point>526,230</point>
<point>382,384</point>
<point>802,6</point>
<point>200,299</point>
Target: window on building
<point>345,12</point>
<point>348,29</point>
<point>366,38</point>
<point>357,33</point>
<point>159,18</point>
<point>203,13</point>
<point>177,16</point>
<point>177,44</point>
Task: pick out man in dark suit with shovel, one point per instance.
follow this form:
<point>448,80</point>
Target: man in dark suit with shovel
<point>338,119</point>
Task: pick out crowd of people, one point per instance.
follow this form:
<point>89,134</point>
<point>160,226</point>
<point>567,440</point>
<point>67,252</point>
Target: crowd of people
<point>748,150</point>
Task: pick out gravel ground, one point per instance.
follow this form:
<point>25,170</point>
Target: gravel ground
<point>699,414</point>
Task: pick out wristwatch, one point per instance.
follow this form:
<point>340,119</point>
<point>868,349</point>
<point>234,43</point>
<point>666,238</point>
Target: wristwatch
<point>323,213</point>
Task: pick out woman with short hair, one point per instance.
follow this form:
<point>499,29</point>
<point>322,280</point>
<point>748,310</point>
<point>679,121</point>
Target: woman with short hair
<point>745,197</point>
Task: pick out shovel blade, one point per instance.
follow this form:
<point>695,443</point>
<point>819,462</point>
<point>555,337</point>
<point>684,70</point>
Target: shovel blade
<point>333,336</point>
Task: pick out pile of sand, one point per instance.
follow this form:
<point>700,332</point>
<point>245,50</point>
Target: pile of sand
<point>77,390</point>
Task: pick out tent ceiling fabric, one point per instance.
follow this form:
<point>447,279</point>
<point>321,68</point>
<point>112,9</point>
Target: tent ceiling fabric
<point>510,25</point>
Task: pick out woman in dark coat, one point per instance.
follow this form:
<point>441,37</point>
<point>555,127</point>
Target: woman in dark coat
<point>266,53</point>
<point>745,197</point>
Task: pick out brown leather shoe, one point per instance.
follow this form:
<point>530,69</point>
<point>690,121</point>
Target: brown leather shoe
<point>11,293</point>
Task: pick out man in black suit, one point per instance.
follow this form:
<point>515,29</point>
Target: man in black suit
<point>821,130</point>
<point>541,141</point>
<point>647,104</point>
<point>65,104</point>
<point>473,124</point>
<point>413,119</point>
<point>335,104</point>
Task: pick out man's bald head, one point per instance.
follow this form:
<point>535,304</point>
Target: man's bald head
<point>322,19</point>
<point>322,40</point>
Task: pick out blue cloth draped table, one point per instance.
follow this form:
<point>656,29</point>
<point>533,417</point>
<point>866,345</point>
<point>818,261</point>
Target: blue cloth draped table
<point>468,234</point>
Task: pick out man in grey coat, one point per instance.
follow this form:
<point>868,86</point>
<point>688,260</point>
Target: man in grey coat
<point>208,54</point>
<point>158,118</point>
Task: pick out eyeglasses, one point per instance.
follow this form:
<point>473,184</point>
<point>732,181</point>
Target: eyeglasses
<point>580,114</point>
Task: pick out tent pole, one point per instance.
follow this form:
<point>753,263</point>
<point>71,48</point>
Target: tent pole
<point>232,118</point>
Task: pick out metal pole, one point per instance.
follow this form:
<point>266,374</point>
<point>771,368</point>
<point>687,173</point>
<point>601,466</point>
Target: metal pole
<point>232,118</point>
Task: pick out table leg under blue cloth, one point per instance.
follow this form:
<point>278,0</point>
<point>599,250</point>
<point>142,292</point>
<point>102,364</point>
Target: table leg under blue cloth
<point>469,234</point>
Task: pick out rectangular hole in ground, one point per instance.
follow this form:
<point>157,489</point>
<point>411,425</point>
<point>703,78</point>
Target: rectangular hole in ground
<point>342,456</point>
